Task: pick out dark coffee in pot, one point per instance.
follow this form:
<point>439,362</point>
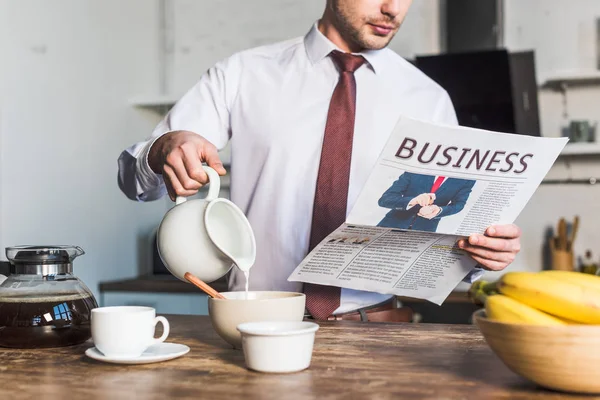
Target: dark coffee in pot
<point>51,321</point>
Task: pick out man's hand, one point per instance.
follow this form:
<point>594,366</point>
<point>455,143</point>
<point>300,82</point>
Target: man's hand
<point>178,156</point>
<point>424,199</point>
<point>429,212</point>
<point>496,249</point>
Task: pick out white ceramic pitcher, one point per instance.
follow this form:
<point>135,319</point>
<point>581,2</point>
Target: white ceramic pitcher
<point>206,237</point>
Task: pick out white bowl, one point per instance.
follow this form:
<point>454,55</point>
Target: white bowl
<point>227,314</point>
<point>277,346</point>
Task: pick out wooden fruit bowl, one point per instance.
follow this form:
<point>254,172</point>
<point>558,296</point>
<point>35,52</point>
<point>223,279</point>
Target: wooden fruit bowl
<point>565,358</point>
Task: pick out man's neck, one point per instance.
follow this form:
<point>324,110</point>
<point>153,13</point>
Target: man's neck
<point>328,29</point>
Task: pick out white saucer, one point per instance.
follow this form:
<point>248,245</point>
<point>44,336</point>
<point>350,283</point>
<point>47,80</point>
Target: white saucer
<point>155,353</point>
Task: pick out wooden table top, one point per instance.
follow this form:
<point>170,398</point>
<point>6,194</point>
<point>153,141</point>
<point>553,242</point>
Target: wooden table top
<point>350,360</point>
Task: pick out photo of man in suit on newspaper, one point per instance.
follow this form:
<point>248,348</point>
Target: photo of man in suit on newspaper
<point>420,201</point>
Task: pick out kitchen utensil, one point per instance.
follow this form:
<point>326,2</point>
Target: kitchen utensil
<point>562,234</point>
<point>561,259</point>
<point>203,286</point>
<point>555,357</point>
<point>126,331</point>
<point>156,353</point>
<point>574,230</point>
<point>205,237</point>
<point>278,346</point>
<point>240,307</point>
<point>42,303</point>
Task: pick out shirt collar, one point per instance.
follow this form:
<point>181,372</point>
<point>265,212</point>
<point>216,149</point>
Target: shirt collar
<point>318,47</point>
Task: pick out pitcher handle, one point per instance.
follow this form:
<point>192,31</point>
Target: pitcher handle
<point>213,188</point>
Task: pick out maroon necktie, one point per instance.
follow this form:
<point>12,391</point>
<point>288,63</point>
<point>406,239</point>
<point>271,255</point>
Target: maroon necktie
<point>331,195</point>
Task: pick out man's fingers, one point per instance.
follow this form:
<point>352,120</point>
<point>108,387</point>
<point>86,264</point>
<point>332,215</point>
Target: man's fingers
<point>485,253</point>
<point>424,200</point>
<point>513,245</point>
<point>193,164</point>
<point>508,231</point>
<point>211,156</point>
<point>418,200</point>
<point>169,186</point>
<point>490,265</point>
<point>426,213</point>
<point>175,162</point>
<point>429,212</point>
<point>430,198</point>
<point>177,188</point>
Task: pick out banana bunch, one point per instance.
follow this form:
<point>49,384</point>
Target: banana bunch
<point>541,298</point>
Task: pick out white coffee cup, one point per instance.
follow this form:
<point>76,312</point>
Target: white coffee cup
<point>126,331</point>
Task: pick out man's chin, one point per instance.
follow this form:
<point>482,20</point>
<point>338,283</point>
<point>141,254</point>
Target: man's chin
<point>376,43</point>
<point>373,41</point>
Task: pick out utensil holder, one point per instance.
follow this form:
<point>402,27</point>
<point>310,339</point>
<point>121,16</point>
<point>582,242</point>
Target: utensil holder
<point>563,260</point>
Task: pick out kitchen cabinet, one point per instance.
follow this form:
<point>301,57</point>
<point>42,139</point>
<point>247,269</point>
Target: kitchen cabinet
<point>164,292</point>
<point>164,303</point>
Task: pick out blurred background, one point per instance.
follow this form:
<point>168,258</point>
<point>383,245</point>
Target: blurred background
<point>81,80</point>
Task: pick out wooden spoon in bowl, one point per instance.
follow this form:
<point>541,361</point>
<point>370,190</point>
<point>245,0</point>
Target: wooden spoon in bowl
<point>200,284</point>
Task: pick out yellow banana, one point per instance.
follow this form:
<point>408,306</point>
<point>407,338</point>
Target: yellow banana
<point>476,286</point>
<point>559,297</point>
<point>505,309</point>
<point>591,281</point>
<point>475,291</point>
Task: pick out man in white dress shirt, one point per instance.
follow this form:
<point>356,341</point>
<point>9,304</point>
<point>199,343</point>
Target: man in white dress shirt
<point>286,108</point>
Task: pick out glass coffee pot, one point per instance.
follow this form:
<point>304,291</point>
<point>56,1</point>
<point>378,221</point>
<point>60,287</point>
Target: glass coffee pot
<point>42,304</point>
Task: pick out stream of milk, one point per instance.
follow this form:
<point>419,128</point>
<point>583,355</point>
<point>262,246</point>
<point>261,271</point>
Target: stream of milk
<point>244,264</point>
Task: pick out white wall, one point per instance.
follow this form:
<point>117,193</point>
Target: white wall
<point>563,35</point>
<point>3,94</point>
<point>69,68</point>
<point>208,31</point>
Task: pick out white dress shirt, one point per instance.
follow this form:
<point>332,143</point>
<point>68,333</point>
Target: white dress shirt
<point>271,103</point>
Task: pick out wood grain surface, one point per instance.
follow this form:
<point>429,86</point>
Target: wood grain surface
<point>351,360</point>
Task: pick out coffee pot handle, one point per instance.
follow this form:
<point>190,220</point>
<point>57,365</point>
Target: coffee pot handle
<point>213,188</point>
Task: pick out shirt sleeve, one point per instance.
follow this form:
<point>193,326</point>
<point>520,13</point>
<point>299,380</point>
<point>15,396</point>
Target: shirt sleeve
<point>445,113</point>
<point>204,109</point>
<point>474,275</point>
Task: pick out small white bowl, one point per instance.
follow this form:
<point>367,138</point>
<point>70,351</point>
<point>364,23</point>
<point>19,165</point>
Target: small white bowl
<point>278,346</point>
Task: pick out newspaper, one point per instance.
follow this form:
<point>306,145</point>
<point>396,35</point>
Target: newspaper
<point>431,186</point>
